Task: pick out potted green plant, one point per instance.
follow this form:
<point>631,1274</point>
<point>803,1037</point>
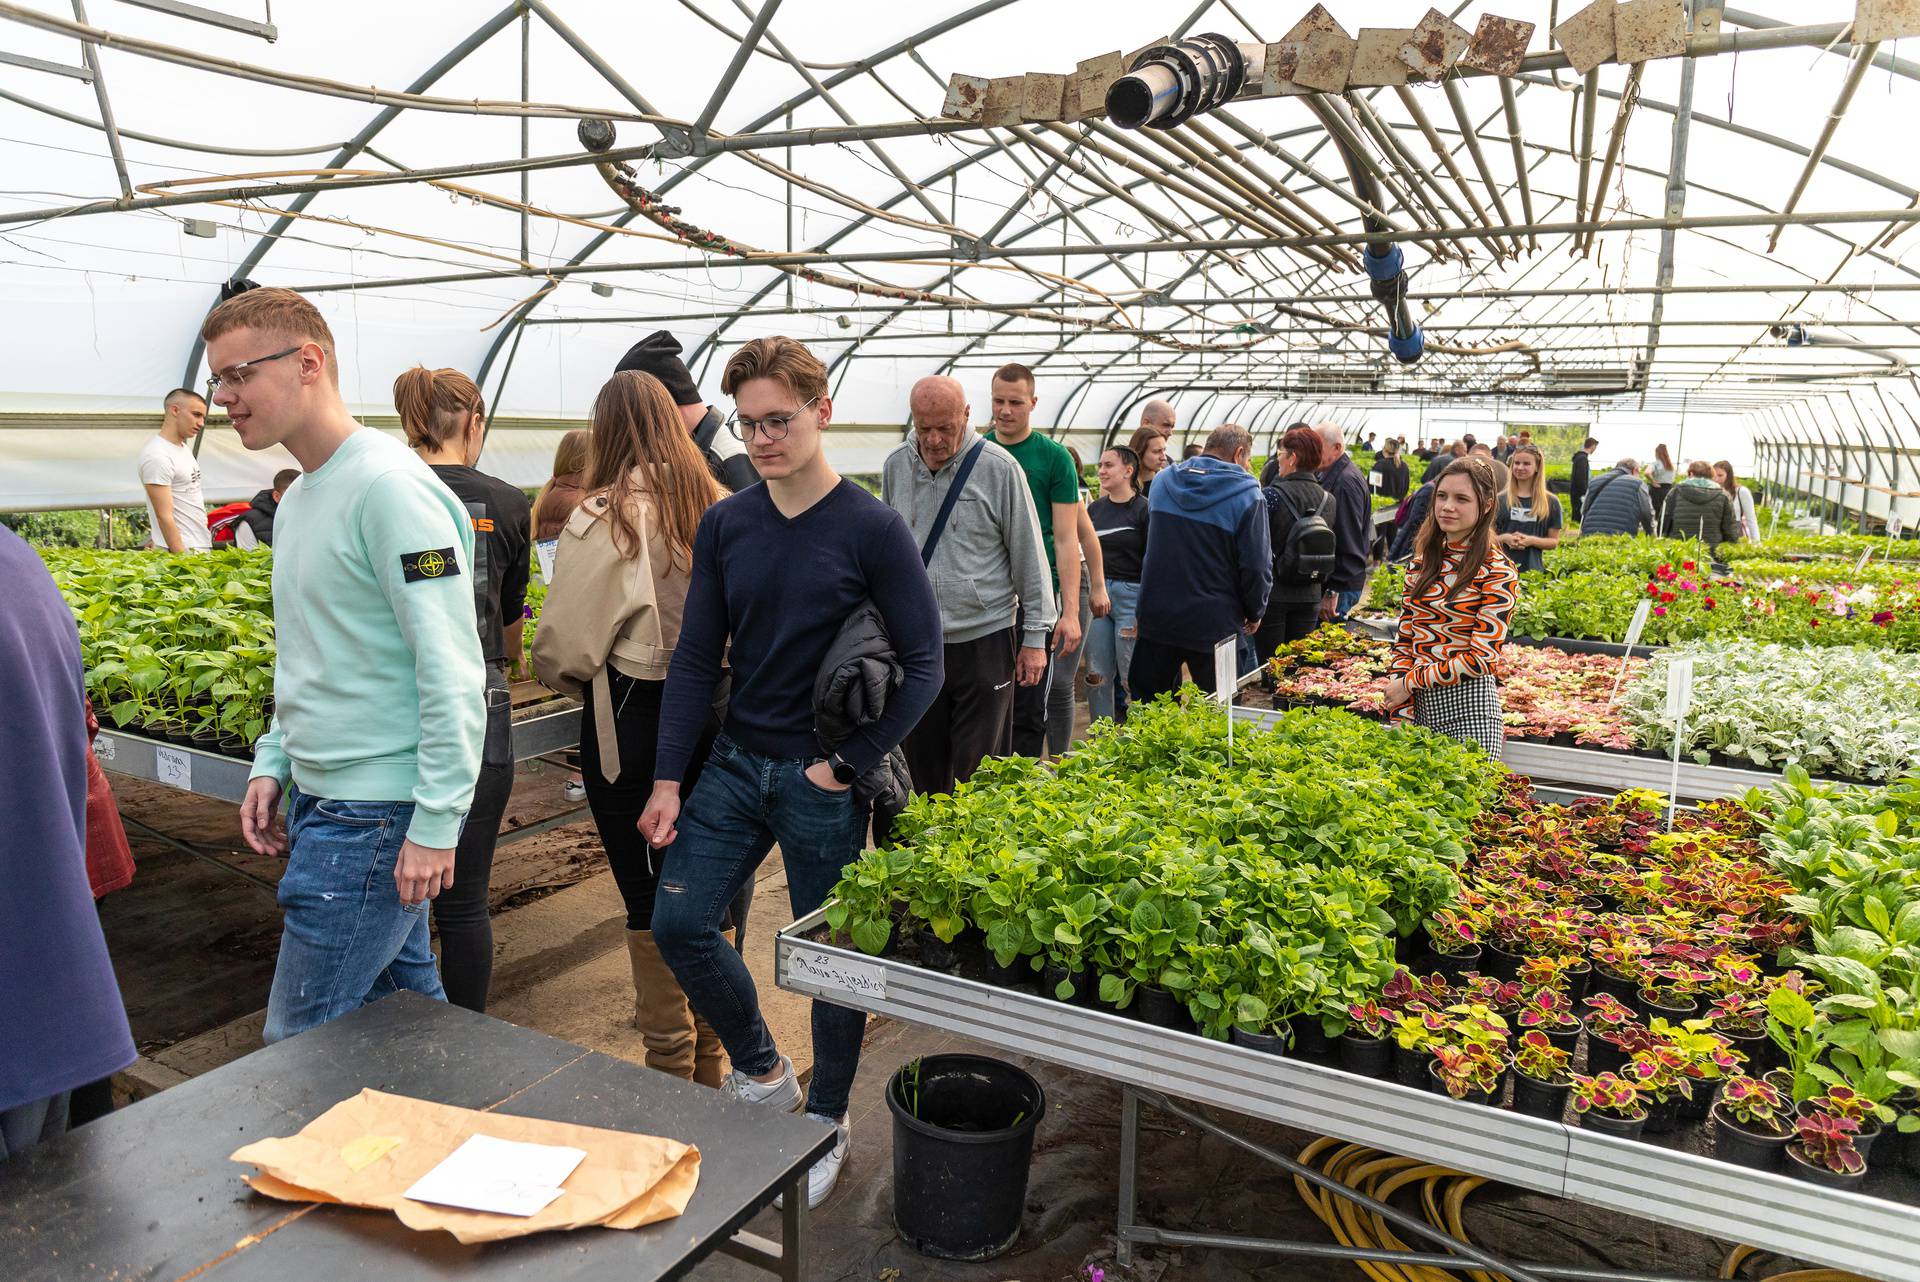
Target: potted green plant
<point>1414,1036</point>
<point>1609,1104</point>
<point>1548,1012</point>
<point>1823,1151</point>
<point>1613,1033</point>
<point>1750,1126</point>
<point>1364,1048</point>
<point>1541,1079</point>
<point>1470,1071</point>
<point>1456,944</point>
<point>1660,1074</point>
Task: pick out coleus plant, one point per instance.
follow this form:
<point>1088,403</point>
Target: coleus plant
<point>1539,1058</point>
<point>1606,1093</point>
<point>1753,1103</point>
<point>1467,1067</point>
<point>1828,1142</point>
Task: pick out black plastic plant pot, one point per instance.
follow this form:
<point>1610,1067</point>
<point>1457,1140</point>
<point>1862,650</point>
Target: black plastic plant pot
<point>1603,1056</point>
<point>1017,975</point>
<point>1536,1098</point>
<point>1704,1094</point>
<point>1084,984</point>
<point>963,1130</point>
<point>1752,1049</point>
<point>1566,1036</point>
<point>935,954</point>
<point>1367,1056</point>
<point>1576,979</point>
<point>1603,982</point>
<point>1666,1006</point>
<point>1162,1009</point>
<point>1455,965</point>
<point>1309,1038</point>
<point>1499,963</point>
<point>1863,1139</point>
<point>1410,1067</point>
<point>1801,1169</point>
<point>1407,949</point>
<point>1744,1146</point>
<point>1626,1128</point>
<point>1663,1116</point>
<point>1266,1043</point>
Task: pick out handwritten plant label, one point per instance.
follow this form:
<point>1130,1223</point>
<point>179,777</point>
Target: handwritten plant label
<point>173,768</point>
<point>820,972</point>
<point>103,748</point>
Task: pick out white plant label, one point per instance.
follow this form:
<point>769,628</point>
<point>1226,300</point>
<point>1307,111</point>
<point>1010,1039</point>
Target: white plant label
<point>1376,482</point>
<point>1226,669</point>
<point>1679,687</point>
<point>173,768</point>
<point>814,971</point>
<point>545,550</point>
<point>1641,613</point>
<point>1894,526</point>
<point>1866,555</point>
<point>103,748</point>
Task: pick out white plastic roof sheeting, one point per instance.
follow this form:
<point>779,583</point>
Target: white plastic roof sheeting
<point>98,310</point>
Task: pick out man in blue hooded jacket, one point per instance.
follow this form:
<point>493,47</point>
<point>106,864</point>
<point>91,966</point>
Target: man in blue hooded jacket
<point>1209,564</point>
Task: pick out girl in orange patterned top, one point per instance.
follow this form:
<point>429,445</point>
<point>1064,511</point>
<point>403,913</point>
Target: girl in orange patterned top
<point>1454,619</point>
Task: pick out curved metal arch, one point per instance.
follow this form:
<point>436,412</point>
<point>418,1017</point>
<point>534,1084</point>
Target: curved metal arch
<point>885,55</point>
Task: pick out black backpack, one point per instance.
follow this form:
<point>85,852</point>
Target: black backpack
<point>1308,556</point>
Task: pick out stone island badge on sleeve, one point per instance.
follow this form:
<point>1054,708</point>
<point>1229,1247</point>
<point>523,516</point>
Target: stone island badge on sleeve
<point>437,563</point>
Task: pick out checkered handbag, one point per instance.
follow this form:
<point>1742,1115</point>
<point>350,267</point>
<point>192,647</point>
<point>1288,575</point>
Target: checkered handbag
<point>1467,710</point>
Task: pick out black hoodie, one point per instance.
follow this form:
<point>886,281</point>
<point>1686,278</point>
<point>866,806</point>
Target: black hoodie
<point>259,515</point>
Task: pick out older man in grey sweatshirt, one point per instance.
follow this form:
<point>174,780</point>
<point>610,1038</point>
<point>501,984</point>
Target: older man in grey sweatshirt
<point>985,562</point>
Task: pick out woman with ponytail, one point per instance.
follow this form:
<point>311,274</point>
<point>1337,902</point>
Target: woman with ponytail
<point>445,422</point>
<point>1453,621</point>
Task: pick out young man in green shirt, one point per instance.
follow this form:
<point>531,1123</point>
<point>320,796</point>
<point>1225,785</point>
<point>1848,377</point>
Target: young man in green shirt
<point>379,686</point>
<point>1056,500</point>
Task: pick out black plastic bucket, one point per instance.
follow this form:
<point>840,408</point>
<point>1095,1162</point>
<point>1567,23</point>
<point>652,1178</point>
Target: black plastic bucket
<point>962,1145</point>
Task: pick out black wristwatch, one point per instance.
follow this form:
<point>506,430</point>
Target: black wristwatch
<point>842,772</point>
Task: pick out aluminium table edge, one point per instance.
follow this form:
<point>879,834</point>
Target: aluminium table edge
<point>546,731</point>
<point>1869,1235</point>
<point>1613,771</point>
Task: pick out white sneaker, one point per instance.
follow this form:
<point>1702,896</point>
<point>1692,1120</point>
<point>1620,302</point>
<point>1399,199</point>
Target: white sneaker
<point>824,1174</point>
<point>782,1093</point>
<point>575,791</point>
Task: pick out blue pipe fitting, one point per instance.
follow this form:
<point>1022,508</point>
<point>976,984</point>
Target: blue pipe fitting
<point>1408,350</point>
<point>1384,268</point>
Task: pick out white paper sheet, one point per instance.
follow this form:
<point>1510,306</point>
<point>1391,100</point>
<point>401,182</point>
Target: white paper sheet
<point>501,1176</point>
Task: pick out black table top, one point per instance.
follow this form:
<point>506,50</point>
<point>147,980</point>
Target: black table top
<point>150,1193</point>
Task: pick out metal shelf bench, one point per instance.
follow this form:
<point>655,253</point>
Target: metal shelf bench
<point>1869,1235</point>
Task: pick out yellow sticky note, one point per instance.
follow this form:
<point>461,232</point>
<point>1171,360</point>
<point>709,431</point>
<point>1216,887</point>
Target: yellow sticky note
<point>367,1150</point>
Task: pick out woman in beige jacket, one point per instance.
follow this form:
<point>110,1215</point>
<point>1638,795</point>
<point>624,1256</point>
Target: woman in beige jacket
<point>607,634</point>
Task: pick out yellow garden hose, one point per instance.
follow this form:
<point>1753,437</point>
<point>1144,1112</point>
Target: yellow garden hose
<point>1443,1197</point>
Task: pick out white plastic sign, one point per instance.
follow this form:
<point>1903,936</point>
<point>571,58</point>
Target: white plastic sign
<point>1376,482</point>
<point>173,768</point>
<point>545,550</point>
<point>1679,687</point>
<point>816,971</point>
<point>1894,526</point>
<point>1639,625</point>
<point>1226,669</point>
<point>1866,555</point>
<point>103,748</point>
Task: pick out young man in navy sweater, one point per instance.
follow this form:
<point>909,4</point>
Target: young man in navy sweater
<point>777,569</point>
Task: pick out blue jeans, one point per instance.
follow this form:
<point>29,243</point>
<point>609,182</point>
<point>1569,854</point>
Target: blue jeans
<point>743,801</point>
<point>1344,603</point>
<point>1110,651</point>
<point>1064,666</point>
<point>346,939</point>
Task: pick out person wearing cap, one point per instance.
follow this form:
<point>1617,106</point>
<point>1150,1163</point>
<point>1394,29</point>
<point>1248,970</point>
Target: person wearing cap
<point>658,354</point>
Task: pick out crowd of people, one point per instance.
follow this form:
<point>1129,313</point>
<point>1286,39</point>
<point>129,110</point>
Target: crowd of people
<point>765,651</point>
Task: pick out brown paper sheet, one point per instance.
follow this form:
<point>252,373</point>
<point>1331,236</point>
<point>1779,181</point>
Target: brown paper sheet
<point>347,1155</point>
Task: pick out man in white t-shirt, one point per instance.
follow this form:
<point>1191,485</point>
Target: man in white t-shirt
<point>171,475</point>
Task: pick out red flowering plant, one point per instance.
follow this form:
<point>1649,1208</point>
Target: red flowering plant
<point>1607,1093</point>
<point>1540,1059</point>
<point>1826,1141</point>
<point>1661,1074</point>
<point>1468,1067</point>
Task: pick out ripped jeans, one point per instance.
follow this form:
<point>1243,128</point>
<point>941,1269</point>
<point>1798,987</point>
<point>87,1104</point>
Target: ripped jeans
<point>1110,650</point>
<point>742,802</point>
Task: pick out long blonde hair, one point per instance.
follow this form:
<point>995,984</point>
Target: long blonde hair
<point>1539,482</point>
<point>638,428</point>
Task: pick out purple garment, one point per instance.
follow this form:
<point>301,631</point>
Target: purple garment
<point>61,1019</point>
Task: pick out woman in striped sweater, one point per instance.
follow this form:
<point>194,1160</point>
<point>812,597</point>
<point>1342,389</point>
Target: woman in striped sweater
<point>1454,618</point>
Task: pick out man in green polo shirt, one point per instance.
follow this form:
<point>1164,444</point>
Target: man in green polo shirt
<point>1056,500</point>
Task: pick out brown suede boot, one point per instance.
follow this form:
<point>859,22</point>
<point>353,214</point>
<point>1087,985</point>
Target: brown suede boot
<point>660,1009</point>
<point>710,1063</point>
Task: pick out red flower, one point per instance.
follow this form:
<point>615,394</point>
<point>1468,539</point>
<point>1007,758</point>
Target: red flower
<point>1883,618</point>
<point>1667,598</point>
<point>1708,603</point>
<point>1813,623</point>
<point>1653,589</point>
<point>1686,565</point>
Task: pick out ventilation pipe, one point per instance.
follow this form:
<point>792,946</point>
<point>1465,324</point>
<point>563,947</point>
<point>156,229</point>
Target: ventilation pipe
<point>1385,264</point>
<point>1170,84</point>
<point>1798,335</point>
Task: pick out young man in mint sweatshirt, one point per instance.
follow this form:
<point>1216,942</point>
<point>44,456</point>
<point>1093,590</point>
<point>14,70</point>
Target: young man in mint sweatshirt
<point>379,687</point>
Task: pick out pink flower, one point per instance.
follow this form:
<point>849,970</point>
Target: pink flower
<point>1661,609</point>
<point>1688,585</point>
<point>1883,618</point>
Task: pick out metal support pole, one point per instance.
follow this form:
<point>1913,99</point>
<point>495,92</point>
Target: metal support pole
<point>526,70</point>
<point>748,44</point>
<point>1129,1175</point>
<point>1862,60</point>
<point>92,61</point>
